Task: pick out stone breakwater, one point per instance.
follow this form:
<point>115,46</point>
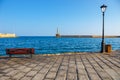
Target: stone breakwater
<point>84,36</point>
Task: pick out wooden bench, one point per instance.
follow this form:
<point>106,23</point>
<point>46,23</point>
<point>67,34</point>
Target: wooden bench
<point>19,51</point>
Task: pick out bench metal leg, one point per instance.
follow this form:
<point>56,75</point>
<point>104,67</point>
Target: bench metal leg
<point>30,55</point>
<point>10,55</point>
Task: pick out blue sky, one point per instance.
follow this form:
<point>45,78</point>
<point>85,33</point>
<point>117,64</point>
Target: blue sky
<point>42,17</point>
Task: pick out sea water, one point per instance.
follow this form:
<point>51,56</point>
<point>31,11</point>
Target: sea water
<point>53,45</point>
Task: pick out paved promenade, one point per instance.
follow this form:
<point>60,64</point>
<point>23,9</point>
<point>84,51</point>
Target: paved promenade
<point>82,66</point>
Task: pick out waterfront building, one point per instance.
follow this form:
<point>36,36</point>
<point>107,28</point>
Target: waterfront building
<point>7,35</point>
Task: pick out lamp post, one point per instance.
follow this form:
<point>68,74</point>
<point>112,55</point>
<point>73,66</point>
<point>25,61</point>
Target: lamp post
<point>103,8</point>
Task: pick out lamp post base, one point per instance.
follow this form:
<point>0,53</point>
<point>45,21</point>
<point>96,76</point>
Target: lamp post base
<point>102,47</point>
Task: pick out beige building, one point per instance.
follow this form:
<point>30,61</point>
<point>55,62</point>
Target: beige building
<point>7,35</point>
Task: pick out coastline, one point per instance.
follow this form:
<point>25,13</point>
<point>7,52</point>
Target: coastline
<point>112,53</point>
<point>115,53</point>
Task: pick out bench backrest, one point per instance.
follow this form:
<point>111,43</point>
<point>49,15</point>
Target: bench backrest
<point>20,51</point>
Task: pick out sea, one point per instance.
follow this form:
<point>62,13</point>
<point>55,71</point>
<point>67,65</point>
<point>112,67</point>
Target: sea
<point>53,45</point>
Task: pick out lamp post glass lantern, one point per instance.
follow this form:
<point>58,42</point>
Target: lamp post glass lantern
<point>103,8</point>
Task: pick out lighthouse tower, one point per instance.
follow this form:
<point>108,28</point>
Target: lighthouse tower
<point>57,34</point>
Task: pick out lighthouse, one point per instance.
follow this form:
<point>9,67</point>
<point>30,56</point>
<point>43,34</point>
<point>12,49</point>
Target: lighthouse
<point>57,34</point>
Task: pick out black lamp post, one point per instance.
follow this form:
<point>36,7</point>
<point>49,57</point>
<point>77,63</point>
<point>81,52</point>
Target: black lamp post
<point>103,8</point>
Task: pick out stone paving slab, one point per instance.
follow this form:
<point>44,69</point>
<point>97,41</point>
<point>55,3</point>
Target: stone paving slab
<point>72,66</point>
